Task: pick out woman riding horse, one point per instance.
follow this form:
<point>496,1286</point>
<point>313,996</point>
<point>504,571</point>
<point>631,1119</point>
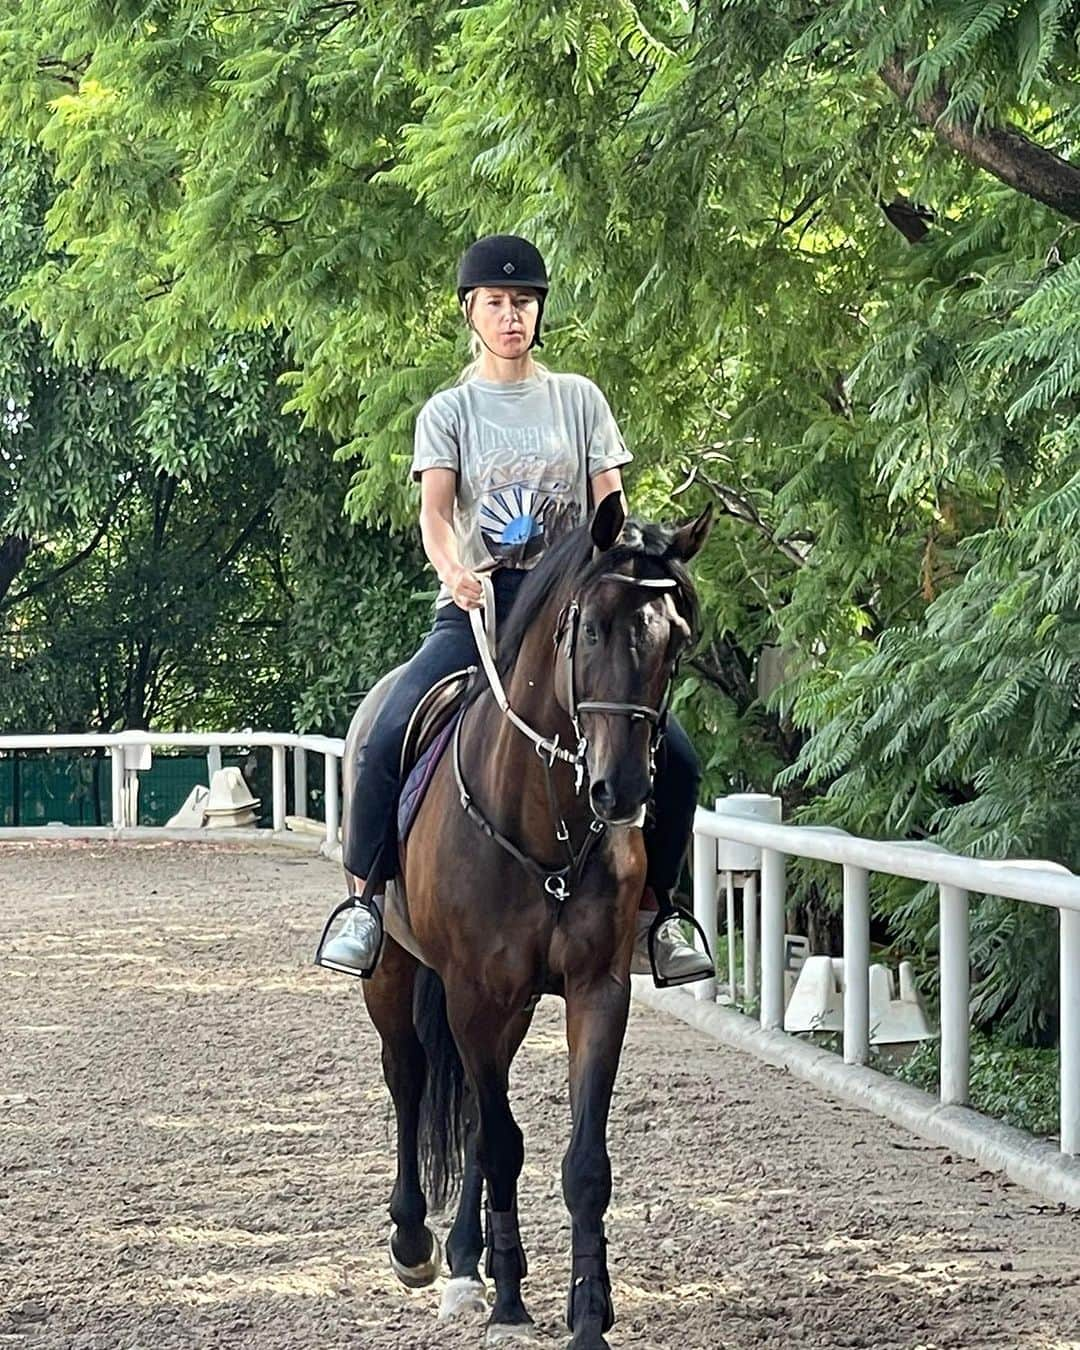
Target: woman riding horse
<point>507,461</point>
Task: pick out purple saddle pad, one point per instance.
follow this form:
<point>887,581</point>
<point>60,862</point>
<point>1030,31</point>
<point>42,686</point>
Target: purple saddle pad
<point>420,775</point>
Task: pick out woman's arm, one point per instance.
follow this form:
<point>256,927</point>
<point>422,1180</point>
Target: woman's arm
<point>608,480</point>
<point>438,488</point>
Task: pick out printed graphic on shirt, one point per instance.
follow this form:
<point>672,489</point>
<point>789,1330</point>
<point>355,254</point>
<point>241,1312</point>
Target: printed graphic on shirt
<point>523,478</point>
<point>519,519</point>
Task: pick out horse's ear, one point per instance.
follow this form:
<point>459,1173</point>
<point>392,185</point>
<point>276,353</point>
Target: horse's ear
<point>608,521</point>
<point>689,538</point>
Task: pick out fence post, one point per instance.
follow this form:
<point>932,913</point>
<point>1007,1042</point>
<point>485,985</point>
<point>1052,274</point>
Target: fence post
<point>750,935</point>
<point>116,752</point>
<point>732,936</point>
<point>705,904</point>
<point>330,792</point>
<point>300,780</point>
<point>744,860</point>
<point>856,964</point>
<point>1069,1036</point>
<point>955,995</point>
<point>773,897</point>
<point>278,786</point>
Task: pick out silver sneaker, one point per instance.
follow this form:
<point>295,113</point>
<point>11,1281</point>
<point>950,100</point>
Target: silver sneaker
<point>677,962</point>
<point>355,948</point>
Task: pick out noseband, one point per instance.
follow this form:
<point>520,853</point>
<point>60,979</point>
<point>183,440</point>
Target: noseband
<point>557,882</point>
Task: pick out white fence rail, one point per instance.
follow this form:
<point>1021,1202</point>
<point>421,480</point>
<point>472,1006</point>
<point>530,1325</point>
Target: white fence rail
<point>1037,883</point>
<point>122,744</point>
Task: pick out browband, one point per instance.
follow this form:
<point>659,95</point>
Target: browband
<point>654,583</point>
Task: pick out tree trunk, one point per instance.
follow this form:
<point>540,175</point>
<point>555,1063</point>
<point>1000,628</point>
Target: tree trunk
<point>14,551</point>
<point>1008,154</point>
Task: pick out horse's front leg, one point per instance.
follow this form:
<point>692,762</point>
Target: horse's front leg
<point>596,1015</point>
<point>488,1041</point>
<point>414,1249</point>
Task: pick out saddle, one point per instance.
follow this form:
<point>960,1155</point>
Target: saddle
<point>426,738</point>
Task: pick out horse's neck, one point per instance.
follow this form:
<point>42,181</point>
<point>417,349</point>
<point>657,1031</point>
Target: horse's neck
<point>506,761</point>
<point>530,686</point>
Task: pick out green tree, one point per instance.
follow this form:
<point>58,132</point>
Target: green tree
<point>821,257</point>
<point>172,545</point>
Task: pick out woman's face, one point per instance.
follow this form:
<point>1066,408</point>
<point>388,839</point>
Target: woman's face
<point>505,317</point>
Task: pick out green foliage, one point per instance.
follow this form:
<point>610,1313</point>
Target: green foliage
<point>807,301</point>
<point>1017,1086</point>
<point>187,563</point>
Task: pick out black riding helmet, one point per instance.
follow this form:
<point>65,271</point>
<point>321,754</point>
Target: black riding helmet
<point>504,260</point>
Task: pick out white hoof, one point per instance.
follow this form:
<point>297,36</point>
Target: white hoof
<point>418,1277</point>
<point>462,1299</point>
<point>504,1333</point>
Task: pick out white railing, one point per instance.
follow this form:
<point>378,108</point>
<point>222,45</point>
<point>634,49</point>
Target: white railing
<point>1037,883</point>
<point>121,746</point>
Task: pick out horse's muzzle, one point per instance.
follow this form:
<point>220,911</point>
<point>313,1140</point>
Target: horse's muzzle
<point>613,804</point>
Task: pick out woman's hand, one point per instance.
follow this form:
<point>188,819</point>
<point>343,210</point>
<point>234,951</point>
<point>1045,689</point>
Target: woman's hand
<point>465,588</point>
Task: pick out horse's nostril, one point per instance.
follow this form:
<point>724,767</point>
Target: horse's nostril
<point>601,795</point>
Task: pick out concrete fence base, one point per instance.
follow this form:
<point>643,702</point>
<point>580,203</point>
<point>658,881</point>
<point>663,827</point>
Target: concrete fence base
<point>1028,1161</point>
<point>303,839</point>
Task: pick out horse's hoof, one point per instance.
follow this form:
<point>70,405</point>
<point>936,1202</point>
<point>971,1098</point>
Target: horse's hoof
<point>591,1340</point>
<point>505,1333</point>
<point>418,1277</point>
<point>463,1299</point>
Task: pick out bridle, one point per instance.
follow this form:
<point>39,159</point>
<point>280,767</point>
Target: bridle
<point>558,882</point>
<point>568,625</point>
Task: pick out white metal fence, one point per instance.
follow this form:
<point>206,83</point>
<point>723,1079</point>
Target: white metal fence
<point>123,745</point>
<point>1036,883</point>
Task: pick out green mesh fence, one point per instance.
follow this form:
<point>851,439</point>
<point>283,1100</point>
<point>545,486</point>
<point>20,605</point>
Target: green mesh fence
<point>71,787</point>
<point>38,788</point>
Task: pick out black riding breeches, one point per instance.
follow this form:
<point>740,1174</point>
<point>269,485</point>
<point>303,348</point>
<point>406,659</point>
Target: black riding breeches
<point>448,647</point>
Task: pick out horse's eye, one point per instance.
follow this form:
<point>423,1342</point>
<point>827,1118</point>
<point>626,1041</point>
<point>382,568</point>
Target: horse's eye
<point>589,629</point>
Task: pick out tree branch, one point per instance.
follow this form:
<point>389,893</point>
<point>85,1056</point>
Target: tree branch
<point>241,539</point>
<point>742,508</point>
<point>911,219</point>
<point>1006,153</point>
<point>45,582</point>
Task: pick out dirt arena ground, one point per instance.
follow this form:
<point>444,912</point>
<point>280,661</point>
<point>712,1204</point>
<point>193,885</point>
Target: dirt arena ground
<point>194,1151</point>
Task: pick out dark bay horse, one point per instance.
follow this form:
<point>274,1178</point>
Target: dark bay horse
<point>522,875</point>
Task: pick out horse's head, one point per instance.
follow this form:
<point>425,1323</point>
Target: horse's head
<point>631,615</point>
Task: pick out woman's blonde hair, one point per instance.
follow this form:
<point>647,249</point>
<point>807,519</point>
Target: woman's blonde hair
<point>476,350</point>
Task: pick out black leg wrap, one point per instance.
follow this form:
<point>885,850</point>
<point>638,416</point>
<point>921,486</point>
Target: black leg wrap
<point>590,1284</point>
<point>502,1236</point>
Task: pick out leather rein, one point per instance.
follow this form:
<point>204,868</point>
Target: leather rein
<point>556,882</point>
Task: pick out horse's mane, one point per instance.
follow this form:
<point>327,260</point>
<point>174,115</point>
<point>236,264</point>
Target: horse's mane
<point>569,566</point>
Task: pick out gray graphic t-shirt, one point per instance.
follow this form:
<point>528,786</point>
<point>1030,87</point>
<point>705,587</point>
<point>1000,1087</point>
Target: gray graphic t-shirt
<point>523,454</point>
